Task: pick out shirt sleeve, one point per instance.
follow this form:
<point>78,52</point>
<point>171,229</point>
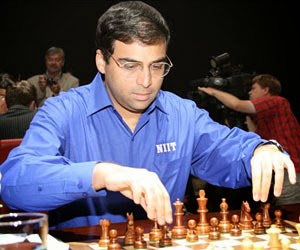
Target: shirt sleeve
<point>222,155</point>
<point>37,176</point>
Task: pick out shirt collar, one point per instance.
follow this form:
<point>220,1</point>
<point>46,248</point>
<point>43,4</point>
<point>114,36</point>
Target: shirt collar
<point>99,98</point>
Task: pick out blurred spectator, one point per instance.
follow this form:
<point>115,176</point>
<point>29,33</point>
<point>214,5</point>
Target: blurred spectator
<point>53,80</point>
<point>21,102</point>
<point>5,80</point>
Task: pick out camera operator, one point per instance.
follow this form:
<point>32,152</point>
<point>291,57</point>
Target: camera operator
<point>270,116</point>
<point>53,80</point>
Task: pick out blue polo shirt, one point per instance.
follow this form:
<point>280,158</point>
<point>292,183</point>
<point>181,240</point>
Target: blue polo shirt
<point>52,169</point>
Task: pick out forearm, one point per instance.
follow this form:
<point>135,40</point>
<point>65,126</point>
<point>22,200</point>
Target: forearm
<point>47,185</point>
<point>227,99</point>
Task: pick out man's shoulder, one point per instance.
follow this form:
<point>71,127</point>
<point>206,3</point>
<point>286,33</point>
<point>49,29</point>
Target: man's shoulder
<point>270,99</point>
<point>33,79</point>
<point>170,102</point>
<point>70,76</point>
<point>69,80</point>
<point>174,98</point>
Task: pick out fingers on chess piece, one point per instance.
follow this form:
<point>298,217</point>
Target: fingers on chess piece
<point>104,238</point>
<point>192,235</point>
<point>113,240</point>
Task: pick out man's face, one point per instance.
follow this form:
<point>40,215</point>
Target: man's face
<point>257,91</point>
<point>3,107</point>
<point>54,63</point>
<point>132,91</point>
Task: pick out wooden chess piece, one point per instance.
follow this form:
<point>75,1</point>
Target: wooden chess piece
<point>245,218</point>
<point>235,227</point>
<point>247,243</point>
<point>285,243</point>
<point>278,220</point>
<point>129,234</point>
<point>203,225</point>
<point>165,239</point>
<point>113,240</point>
<point>274,241</point>
<point>224,225</point>
<point>104,239</point>
<point>139,242</point>
<point>155,235</point>
<point>266,216</point>
<point>179,230</point>
<point>298,229</point>
<point>214,233</point>
<point>259,227</point>
<point>191,232</point>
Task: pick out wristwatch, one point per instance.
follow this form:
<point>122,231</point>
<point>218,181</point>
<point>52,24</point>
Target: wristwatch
<point>274,142</point>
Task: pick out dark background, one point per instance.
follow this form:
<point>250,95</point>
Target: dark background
<point>262,36</point>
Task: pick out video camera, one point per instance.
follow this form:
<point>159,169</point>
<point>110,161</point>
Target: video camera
<point>225,77</point>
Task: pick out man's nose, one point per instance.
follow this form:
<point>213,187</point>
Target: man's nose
<point>144,77</point>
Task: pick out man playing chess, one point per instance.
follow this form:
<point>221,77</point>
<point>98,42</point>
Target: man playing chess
<point>121,144</point>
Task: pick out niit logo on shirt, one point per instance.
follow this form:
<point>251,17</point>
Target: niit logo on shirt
<point>165,147</point>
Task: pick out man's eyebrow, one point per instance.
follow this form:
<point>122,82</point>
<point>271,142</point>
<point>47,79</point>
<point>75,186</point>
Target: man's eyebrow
<point>162,59</point>
<point>128,59</point>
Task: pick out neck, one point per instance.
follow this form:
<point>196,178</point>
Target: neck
<point>131,119</point>
<point>54,75</point>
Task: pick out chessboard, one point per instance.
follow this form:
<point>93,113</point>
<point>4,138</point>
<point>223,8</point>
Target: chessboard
<point>248,240</point>
<point>238,231</point>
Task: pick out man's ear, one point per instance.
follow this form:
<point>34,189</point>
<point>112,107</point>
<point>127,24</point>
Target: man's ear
<point>266,90</point>
<point>100,62</point>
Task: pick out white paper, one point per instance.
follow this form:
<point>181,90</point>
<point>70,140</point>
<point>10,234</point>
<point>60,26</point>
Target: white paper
<point>53,244</point>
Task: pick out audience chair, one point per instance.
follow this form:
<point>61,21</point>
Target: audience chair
<point>6,145</point>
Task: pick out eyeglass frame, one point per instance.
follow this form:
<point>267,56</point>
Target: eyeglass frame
<point>169,63</point>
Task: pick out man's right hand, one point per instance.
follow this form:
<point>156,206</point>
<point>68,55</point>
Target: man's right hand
<point>140,185</point>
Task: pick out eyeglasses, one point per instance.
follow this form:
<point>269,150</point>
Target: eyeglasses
<point>132,69</point>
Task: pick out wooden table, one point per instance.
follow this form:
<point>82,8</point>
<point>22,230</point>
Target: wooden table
<point>81,236</point>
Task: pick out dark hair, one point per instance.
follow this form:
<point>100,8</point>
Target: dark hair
<point>20,93</point>
<point>266,80</point>
<point>130,21</point>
